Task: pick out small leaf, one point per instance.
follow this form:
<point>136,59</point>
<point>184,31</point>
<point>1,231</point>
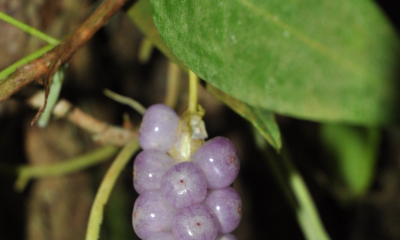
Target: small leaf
<point>355,151</point>
<point>262,119</point>
<point>318,60</point>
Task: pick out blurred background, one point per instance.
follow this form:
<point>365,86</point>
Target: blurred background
<point>58,208</point>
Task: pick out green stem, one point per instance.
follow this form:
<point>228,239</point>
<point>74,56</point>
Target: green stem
<point>26,173</point>
<point>96,213</point>
<point>306,211</point>
<point>193,85</point>
<point>29,29</point>
<point>295,191</point>
<point>145,50</point>
<point>24,61</point>
<point>125,100</point>
<point>171,96</point>
<point>55,89</point>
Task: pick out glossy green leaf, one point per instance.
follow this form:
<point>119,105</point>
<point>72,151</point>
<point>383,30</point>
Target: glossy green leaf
<point>318,60</point>
<point>263,120</point>
<point>354,152</point>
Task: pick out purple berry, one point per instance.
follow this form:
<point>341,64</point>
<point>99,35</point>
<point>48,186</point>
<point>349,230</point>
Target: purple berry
<point>184,185</point>
<point>226,205</point>
<point>162,236</point>
<point>219,161</point>
<point>228,236</point>
<point>158,128</point>
<point>149,167</point>
<point>195,222</point>
<point>152,213</point>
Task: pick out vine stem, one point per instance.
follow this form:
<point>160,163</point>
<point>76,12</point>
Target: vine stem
<point>125,100</point>
<point>31,30</point>
<point>12,68</point>
<point>295,190</point>
<point>55,89</point>
<point>28,172</point>
<point>96,213</point>
<point>193,85</point>
<point>173,79</point>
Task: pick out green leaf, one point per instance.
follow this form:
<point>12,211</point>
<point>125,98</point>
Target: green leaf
<point>355,153</point>
<point>318,60</point>
<point>263,120</point>
<point>142,16</point>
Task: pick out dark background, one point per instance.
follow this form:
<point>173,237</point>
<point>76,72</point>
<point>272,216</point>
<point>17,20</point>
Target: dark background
<point>58,208</point>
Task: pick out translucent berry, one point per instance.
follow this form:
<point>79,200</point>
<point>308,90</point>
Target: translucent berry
<point>158,128</point>
<point>228,236</point>
<point>219,161</point>
<point>152,213</point>
<point>226,205</point>
<point>162,236</point>
<point>148,168</point>
<point>184,185</point>
<point>195,222</point>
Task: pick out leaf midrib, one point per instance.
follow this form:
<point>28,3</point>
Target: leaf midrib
<point>321,48</point>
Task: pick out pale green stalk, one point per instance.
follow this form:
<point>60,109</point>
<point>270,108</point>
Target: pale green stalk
<point>55,89</point>
<point>96,213</point>
<point>24,61</point>
<point>295,191</point>
<point>29,29</point>
<point>125,100</point>
<point>28,172</point>
<point>193,85</point>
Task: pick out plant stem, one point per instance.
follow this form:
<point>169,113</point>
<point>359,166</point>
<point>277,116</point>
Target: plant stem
<point>306,211</point>
<point>27,172</point>
<point>105,133</point>
<point>10,69</point>
<point>55,89</point>
<point>31,30</point>
<point>173,78</point>
<point>44,67</point>
<point>295,190</point>
<point>96,213</point>
<point>193,85</point>
<point>145,50</point>
<point>125,100</point>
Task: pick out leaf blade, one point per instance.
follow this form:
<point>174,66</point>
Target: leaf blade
<point>326,65</point>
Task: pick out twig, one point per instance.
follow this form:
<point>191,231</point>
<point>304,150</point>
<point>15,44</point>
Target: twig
<point>29,172</point>
<point>105,133</point>
<point>96,213</point>
<point>31,30</point>
<point>125,100</point>
<point>47,65</point>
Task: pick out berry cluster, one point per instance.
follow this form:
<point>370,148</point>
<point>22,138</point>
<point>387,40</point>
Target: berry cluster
<point>183,199</point>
